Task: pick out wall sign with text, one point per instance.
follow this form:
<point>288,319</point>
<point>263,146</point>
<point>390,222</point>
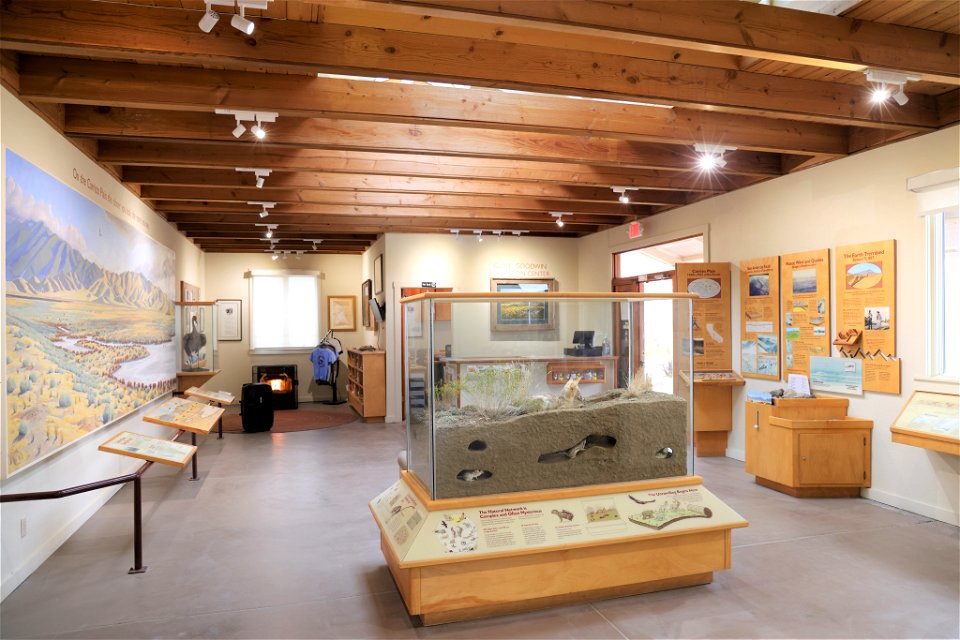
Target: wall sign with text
<point>760,318</point>
<point>805,295</point>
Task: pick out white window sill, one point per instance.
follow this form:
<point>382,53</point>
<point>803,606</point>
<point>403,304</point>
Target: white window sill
<point>281,351</point>
<point>939,381</point>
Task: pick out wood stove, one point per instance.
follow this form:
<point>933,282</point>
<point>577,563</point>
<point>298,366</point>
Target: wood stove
<point>283,381</point>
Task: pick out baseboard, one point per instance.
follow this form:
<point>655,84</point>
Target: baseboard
<point>913,506</point>
<point>54,542</point>
<point>737,454</point>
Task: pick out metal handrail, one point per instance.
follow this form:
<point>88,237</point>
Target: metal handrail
<point>134,477</point>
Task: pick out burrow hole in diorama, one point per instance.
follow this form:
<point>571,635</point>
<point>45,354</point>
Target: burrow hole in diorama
<point>473,475</point>
<point>594,440</point>
<point>477,445</point>
<point>666,452</point>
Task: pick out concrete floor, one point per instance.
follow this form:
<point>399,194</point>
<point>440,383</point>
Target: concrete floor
<point>276,541</point>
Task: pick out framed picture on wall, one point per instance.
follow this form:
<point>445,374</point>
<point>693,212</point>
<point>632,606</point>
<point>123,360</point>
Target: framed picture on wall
<point>378,274</point>
<point>366,292</point>
<point>523,315</point>
<point>229,321</point>
<point>189,292</point>
<point>342,313</point>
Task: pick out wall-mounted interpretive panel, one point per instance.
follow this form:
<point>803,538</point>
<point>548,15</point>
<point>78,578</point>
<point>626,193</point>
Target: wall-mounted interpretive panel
<point>760,318</point>
<point>805,295</point>
<point>711,312</point>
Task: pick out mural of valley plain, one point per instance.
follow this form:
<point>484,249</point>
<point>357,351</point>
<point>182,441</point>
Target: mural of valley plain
<point>89,318</point>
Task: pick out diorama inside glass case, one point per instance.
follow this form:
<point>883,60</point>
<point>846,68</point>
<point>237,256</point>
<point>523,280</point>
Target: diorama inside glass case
<point>511,392</point>
<point>196,336</point>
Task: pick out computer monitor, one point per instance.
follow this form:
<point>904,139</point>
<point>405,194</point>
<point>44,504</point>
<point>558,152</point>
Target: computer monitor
<point>378,312</point>
<point>583,338</point>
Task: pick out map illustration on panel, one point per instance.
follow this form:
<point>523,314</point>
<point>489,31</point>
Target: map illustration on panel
<point>89,315</point>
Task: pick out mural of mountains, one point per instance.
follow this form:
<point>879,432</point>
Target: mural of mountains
<point>40,263</point>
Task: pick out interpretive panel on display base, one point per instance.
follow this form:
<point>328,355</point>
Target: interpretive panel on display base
<point>805,296</point>
<point>221,397</point>
<point>760,318</point>
<point>134,445</point>
<point>180,413</point>
<point>929,420</point>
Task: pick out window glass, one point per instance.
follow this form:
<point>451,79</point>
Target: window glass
<point>949,292</point>
<point>284,311</point>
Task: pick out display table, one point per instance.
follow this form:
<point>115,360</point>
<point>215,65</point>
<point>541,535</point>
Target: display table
<point>187,379</point>
<point>808,447</point>
<point>466,558</point>
<point>712,409</point>
<point>929,421</point>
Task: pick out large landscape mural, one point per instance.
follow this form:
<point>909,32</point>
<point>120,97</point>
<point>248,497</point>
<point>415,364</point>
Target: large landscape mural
<point>89,315</point>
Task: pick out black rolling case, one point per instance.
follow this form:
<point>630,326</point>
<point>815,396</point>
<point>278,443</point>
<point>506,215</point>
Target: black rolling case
<point>256,407</point>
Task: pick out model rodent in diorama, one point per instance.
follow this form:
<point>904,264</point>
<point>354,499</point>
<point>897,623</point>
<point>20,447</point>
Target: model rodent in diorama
<point>502,439</point>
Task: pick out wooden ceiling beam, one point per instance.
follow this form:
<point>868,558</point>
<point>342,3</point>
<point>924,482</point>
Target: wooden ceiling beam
<point>425,225</point>
<point>715,26</point>
<point>170,36</point>
<point>230,155</point>
<point>323,133</point>
<point>397,201</point>
<point>177,177</point>
<point>128,85</point>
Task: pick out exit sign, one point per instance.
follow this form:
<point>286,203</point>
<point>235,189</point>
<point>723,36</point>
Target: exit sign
<point>634,230</point>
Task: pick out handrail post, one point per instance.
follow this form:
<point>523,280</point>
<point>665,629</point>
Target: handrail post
<point>137,529</point>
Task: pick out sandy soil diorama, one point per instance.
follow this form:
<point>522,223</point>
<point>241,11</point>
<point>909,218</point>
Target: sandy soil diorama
<point>502,439</point>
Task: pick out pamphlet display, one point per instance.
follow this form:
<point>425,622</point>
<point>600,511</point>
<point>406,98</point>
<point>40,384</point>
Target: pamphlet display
<point>931,421</point>
<point>711,312</point>
<point>866,276</point>
<point>805,294</point>
<point>760,318</point>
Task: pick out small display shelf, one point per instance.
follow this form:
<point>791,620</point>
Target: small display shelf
<point>588,371</point>
<point>366,384</point>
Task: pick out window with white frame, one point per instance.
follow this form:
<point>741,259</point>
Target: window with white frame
<point>943,237</point>
<point>938,196</point>
<point>284,310</point>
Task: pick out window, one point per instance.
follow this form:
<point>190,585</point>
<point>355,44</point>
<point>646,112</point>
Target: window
<point>943,237</point>
<point>284,310</point>
<point>658,258</point>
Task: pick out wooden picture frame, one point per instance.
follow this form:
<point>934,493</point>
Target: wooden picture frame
<point>366,293</point>
<point>229,320</point>
<point>522,315</point>
<point>378,275</point>
<point>189,292</point>
<point>342,313</point>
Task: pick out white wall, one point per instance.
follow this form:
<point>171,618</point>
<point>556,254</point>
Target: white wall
<point>467,266</point>
<point>340,275</point>
<point>862,198</point>
<point>50,523</point>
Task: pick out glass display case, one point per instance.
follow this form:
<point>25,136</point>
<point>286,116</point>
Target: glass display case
<point>510,392</point>
<point>196,337</point>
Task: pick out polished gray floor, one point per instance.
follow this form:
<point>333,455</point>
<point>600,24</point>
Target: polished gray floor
<point>276,541</point>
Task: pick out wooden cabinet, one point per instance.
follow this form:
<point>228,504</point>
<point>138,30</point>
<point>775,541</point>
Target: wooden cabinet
<point>367,384</point>
<point>712,409</point>
<point>808,447</point>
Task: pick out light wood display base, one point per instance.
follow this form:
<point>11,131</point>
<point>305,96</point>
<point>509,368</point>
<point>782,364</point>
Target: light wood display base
<point>923,440</point>
<point>808,447</point>
<point>187,379</point>
<point>712,410</point>
<point>545,565</point>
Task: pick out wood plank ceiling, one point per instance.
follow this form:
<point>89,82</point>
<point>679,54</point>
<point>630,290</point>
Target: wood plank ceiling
<point>475,115</point>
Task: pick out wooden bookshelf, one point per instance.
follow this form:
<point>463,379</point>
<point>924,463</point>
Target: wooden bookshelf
<point>367,384</point>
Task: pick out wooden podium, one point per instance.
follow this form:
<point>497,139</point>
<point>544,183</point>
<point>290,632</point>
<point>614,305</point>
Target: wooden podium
<point>712,409</point>
<point>467,558</point>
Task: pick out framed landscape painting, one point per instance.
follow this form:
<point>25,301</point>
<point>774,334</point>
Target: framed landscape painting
<point>523,315</point>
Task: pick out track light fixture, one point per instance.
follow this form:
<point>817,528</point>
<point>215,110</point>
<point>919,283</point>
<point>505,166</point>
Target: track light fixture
<point>314,242</point>
<point>274,256</point>
<point>559,217</point>
<point>264,206</point>
<point>260,174</point>
<point>456,233</point>
<point>209,20</point>
<point>517,233</point>
<point>887,80</point>
<point>624,193</point>
<point>479,234</point>
<point>711,155</point>
<point>270,228</point>
<point>257,117</point>
<point>239,21</point>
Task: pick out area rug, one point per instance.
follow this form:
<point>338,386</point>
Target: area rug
<point>289,421</point>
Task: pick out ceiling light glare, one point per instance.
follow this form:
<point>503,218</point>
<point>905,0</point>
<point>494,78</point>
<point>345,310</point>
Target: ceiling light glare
<point>258,131</point>
<point>209,20</point>
<point>269,233</point>
<point>274,257</point>
<point>711,155</point>
<point>559,217</point>
<point>708,162</point>
<point>879,94</point>
<point>624,198</point>
<point>241,24</point>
